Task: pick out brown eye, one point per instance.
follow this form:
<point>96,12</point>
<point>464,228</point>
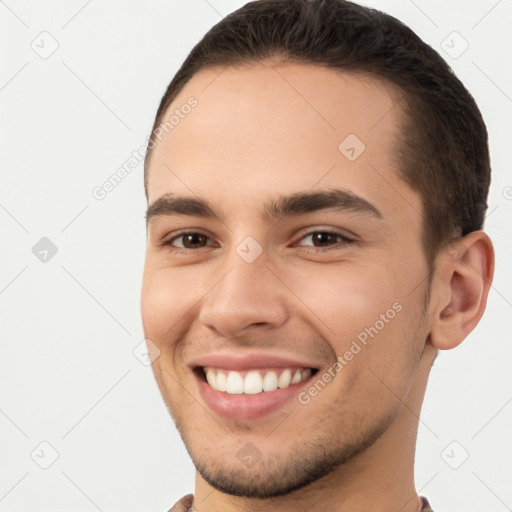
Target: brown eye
<point>326,239</point>
<point>187,241</point>
<point>192,240</point>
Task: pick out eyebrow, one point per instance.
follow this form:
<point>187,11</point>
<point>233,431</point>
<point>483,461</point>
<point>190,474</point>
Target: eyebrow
<point>297,203</point>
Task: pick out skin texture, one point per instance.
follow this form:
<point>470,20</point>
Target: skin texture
<point>258,132</point>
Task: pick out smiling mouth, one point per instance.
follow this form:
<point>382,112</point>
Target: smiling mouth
<point>254,381</point>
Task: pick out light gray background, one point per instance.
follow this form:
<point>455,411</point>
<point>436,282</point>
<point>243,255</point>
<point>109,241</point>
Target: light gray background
<point>69,325</point>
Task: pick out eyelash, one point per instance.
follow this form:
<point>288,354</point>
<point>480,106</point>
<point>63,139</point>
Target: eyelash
<point>344,240</point>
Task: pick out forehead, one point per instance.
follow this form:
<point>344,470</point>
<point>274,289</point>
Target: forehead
<point>263,128</point>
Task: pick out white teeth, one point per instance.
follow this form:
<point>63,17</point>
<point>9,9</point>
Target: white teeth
<point>210,377</point>
<point>284,379</point>
<point>220,382</point>
<point>270,381</point>
<point>297,377</point>
<point>234,384</point>
<point>255,381</point>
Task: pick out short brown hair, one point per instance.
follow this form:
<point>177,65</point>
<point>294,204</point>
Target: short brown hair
<point>444,153</point>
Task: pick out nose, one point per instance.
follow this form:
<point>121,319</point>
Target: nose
<point>248,295</point>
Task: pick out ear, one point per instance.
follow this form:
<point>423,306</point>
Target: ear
<point>463,277</point>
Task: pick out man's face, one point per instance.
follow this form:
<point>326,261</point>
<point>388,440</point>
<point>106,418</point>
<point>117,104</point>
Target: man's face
<point>330,296</point>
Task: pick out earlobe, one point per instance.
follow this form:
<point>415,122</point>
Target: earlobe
<point>463,279</point>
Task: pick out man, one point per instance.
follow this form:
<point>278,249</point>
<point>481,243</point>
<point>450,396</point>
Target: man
<point>316,182</point>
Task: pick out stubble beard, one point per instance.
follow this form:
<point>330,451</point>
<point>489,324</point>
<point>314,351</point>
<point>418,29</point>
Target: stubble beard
<point>276,475</point>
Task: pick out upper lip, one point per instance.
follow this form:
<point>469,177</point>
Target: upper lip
<point>249,361</point>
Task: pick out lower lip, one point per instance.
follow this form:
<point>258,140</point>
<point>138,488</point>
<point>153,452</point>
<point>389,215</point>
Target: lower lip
<point>247,407</point>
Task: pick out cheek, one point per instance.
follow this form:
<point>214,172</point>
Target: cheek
<point>166,299</point>
<point>367,319</point>
<point>160,311</point>
<point>344,301</point>
<point>154,300</point>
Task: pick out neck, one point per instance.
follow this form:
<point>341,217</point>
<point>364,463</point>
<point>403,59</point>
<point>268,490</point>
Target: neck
<point>377,480</point>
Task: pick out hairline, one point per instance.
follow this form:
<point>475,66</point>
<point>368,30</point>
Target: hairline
<point>281,58</point>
